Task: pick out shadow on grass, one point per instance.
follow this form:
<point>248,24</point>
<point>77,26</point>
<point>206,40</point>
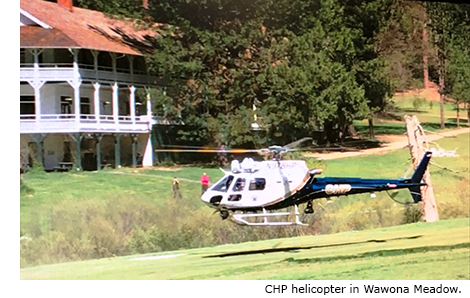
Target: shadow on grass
<point>382,130</point>
<point>463,121</point>
<point>432,126</point>
<point>380,253</point>
<point>359,144</point>
<point>296,248</point>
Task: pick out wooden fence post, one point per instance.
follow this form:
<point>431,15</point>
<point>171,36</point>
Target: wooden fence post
<point>416,138</point>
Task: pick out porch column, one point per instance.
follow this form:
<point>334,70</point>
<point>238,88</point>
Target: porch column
<point>75,83</point>
<point>116,103</point>
<point>37,83</point>
<point>148,155</point>
<point>77,137</point>
<point>149,105</point>
<point>95,62</point>
<point>96,101</point>
<point>76,100</point>
<point>117,150</point>
<point>132,103</point>
<point>38,138</point>
<point>98,137</point>
<point>113,63</point>
<point>134,149</point>
<point>149,109</point>
<point>131,66</point>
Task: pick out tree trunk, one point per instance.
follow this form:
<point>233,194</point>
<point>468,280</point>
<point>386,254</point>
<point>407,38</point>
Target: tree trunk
<point>441,94</point>
<point>415,140</point>
<point>425,57</point>
<point>458,114</point>
<point>371,127</point>
<point>468,113</point>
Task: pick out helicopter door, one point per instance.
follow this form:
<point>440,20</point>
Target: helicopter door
<point>238,186</point>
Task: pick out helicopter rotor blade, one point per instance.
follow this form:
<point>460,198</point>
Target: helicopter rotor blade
<point>236,151</point>
<point>297,143</point>
<point>276,149</point>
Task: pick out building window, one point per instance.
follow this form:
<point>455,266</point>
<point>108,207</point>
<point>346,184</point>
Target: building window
<point>22,56</point>
<point>66,105</point>
<point>27,105</point>
<point>85,106</point>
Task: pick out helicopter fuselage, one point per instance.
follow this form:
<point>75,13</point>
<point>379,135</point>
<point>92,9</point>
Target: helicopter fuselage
<point>277,184</point>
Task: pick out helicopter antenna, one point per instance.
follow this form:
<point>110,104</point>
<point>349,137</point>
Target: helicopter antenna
<point>393,195</point>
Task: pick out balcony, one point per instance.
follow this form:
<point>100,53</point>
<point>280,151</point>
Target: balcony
<point>66,71</point>
<point>70,123</point>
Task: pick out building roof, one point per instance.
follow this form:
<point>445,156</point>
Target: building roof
<point>38,37</point>
<point>81,28</point>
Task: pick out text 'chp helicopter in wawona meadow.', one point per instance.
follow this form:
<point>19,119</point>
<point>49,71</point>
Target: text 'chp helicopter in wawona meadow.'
<point>254,189</point>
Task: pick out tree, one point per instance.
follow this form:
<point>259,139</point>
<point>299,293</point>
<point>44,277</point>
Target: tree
<point>450,24</point>
<point>305,65</point>
<point>403,45</point>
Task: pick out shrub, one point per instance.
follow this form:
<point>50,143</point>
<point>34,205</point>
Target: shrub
<point>459,206</point>
<point>418,103</point>
<point>412,213</point>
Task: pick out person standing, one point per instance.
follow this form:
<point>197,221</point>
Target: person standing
<point>204,183</point>
<point>175,184</point>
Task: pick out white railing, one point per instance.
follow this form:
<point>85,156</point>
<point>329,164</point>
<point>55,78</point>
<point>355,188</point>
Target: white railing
<point>66,72</point>
<point>64,123</point>
<point>47,73</point>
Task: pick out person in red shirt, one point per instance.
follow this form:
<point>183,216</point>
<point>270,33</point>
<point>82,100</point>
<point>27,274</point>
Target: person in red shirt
<point>204,182</point>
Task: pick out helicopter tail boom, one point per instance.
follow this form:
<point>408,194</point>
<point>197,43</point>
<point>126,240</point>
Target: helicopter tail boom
<point>418,176</point>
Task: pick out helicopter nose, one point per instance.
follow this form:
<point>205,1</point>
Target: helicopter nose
<point>211,199</point>
<point>205,198</point>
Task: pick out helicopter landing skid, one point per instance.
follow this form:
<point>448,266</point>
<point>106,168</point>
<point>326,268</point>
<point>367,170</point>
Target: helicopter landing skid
<point>240,218</point>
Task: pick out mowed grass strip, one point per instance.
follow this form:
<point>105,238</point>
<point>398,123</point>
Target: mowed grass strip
<point>437,250</point>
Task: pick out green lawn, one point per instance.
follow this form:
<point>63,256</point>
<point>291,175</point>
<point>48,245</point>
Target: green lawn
<point>89,215</point>
<point>439,251</point>
<point>427,112</point>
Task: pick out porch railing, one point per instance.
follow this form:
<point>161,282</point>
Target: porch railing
<point>65,71</point>
<point>49,123</point>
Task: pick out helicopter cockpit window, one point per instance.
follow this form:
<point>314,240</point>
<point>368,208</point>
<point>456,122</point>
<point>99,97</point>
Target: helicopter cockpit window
<point>224,184</point>
<point>257,184</point>
<point>239,184</point>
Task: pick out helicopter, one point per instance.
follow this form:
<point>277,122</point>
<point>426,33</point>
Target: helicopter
<point>252,192</point>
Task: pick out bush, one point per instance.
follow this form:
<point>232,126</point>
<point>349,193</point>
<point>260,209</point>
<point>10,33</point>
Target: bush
<point>459,206</point>
<point>418,103</point>
<point>412,213</point>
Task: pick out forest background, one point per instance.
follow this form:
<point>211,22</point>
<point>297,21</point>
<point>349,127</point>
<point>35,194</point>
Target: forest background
<point>294,67</point>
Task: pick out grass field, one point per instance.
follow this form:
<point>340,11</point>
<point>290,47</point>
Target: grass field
<point>428,113</point>
<point>56,207</point>
<point>110,218</point>
<point>435,251</point>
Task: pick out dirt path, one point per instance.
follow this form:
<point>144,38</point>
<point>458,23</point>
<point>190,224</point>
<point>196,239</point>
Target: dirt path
<point>391,142</point>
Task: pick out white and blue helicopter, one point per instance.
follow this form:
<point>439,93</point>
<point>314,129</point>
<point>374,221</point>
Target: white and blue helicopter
<point>252,192</point>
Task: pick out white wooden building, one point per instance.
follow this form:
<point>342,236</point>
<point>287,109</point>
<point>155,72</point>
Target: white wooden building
<point>84,89</point>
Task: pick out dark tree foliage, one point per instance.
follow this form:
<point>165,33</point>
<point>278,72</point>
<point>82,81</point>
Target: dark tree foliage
<point>291,67</point>
<point>450,25</point>
<point>400,43</point>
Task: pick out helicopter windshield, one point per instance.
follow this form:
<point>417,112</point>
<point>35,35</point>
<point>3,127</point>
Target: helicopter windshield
<point>224,184</point>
